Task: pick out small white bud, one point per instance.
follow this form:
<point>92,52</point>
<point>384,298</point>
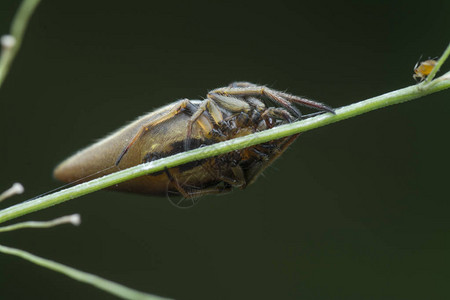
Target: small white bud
<point>75,219</point>
<point>15,189</point>
<point>8,41</point>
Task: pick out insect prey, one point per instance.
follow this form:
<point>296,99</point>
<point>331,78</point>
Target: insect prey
<point>423,69</point>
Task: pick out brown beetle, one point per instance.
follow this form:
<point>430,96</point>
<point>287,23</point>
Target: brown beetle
<point>226,113</point>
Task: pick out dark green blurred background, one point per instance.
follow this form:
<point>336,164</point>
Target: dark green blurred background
<point>354,210</point>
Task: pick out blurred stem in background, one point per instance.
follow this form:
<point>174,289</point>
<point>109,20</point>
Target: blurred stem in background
<point>94,280</point>
<point>11,42</point>
<point>103,284</point>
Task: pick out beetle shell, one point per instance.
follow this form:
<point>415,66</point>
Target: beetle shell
<point>167,139</point>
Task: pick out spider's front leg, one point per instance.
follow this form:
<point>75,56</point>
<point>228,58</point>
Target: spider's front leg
<point>181,106</point>
<point>241,84</point>
<point>212,106</point>
<point>245,89</point>
<point>190,197</point>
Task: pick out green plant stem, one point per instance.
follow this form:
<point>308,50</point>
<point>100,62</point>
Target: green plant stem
<point>395,97</point>
<point>438,65</point>
<point>101,283</point>
<point>18,27</point>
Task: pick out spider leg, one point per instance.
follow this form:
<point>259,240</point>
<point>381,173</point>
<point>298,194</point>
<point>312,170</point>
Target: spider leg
<point>254,90</point>
<point>175,110</point>
<point>212,105</point>
<point>284,99</point>
<point>236,180</point>
<point>277,113</point>
<point>209,106</point>
<point>306,102</point>
<point>192,195</point>
<point>251,176</point>
<point>241,84</point>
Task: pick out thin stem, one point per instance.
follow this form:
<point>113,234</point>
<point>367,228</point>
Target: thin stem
<point>72,219</point>
<point>438,65</point>
<point>18,26</point>
<point>101,283</point>
<point>395,97</point>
